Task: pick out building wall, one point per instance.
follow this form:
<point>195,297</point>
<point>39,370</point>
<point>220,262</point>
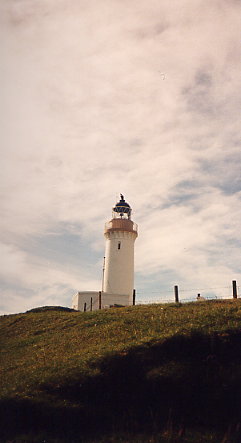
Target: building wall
<point>119,262</point>
<point>107,300</point>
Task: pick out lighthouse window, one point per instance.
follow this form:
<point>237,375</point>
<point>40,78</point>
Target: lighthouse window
<point>119,245</point>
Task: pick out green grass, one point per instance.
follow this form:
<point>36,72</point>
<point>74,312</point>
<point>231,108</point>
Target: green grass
<point>156,373</point>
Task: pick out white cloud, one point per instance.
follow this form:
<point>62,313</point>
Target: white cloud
<point>30,280</point>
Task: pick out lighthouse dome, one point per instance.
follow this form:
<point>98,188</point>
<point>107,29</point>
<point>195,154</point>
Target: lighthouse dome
<point>122,207</point>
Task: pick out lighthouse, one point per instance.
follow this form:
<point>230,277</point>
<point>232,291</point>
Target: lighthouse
<point>120,235</point>
<point>118,270</point>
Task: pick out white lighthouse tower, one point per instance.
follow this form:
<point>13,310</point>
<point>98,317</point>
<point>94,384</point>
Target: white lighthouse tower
<point>120,234</point>
<point>118,273</point>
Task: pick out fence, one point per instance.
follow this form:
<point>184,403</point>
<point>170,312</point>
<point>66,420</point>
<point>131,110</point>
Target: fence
<point>176,295</point>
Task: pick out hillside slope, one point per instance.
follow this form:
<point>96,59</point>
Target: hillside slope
<point>152,373</point>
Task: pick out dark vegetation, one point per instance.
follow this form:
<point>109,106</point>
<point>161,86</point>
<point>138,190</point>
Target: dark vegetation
<point>51,308</point>
<point>158,373</point>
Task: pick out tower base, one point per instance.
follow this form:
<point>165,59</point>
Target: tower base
<point>91,300</point>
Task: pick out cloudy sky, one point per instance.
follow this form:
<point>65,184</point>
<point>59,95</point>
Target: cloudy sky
<point>100,97</point>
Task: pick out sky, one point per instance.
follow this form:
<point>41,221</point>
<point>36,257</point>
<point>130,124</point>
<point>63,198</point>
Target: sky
<point>106,97</point>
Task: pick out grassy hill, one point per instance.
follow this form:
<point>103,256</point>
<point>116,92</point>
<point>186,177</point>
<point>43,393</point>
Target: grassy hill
<point>157,373</point>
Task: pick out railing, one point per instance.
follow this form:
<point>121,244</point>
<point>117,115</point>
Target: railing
<point>121,224</point>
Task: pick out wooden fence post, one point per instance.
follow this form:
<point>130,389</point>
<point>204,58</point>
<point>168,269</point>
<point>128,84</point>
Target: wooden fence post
<point>85,307</point>
<point>99,299</point>
<point>134,297</point>
<point>91,304</point>
<point>176,294</point>
<point>235,294</point>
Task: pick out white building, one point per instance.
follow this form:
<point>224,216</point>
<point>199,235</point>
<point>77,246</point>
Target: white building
<point>118,273</point>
